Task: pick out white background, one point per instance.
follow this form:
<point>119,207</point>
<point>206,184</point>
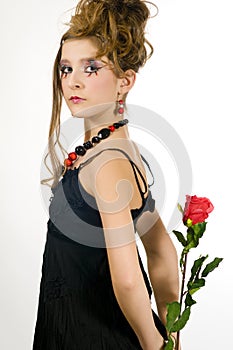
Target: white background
<point>188,82</point>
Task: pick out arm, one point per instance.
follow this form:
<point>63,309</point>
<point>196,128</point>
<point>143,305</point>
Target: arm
<point>112,197</point>
<point>162,262</point>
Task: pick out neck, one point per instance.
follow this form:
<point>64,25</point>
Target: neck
<point>100,119</point>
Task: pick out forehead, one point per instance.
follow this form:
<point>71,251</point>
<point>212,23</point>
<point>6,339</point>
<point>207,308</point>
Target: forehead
<point>78,49</point>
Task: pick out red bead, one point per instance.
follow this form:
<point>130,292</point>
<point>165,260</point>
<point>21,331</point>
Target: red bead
<point>68,162</point>
<point>121,110</point>
<point>72,156</point>
<point>111,128</point>
<point>121,102</point>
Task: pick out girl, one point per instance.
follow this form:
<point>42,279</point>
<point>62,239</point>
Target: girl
<point>94,292</point>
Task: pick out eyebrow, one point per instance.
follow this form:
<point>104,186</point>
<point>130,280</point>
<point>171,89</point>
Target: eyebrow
<point>81,60</point>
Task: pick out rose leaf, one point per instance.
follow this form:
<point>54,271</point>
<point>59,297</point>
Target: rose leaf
<point>181,322</point>
<point>211,266</point>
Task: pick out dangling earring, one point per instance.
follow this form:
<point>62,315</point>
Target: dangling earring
<point>121,108</point>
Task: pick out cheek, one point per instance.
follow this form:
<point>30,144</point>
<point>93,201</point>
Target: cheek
<point>65,90</point>
<point>63,86</point>
<point>105,85</point>
<point>106,89</point>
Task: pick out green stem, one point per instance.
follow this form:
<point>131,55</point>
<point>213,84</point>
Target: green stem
<point>181,296</point>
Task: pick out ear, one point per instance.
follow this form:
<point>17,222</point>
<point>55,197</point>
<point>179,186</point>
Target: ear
<point>127,82</point>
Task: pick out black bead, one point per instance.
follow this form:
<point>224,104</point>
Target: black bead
<point>88,145</point>
<point>95,139</point>
<point>123,122</point>
<point>80,150</point>
<point>104,133</point>
<point>116,125</point>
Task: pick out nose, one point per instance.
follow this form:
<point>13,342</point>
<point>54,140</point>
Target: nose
<point>75,80</point>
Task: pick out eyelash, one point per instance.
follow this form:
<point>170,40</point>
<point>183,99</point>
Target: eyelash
<point>63,69</point>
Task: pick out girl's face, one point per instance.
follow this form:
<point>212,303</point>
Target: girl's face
<point>86,81</point>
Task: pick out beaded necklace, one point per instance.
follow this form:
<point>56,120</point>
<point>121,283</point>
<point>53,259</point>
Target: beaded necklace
<point>102,134</point>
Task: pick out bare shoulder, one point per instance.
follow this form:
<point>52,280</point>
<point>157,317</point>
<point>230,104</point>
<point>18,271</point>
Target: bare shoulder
<point>118,149</point>
<point>111,176</point>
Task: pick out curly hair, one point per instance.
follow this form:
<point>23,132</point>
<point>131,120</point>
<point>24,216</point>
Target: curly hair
<point>119,30</point>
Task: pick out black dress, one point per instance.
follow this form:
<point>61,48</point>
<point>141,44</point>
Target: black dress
<point>77,307</point>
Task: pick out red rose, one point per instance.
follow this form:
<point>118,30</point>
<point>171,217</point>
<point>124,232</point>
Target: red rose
<point>197,209</point>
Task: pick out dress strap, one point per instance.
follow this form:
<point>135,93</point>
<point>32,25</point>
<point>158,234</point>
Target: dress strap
<point>149,170</point>
<point>134,167</point>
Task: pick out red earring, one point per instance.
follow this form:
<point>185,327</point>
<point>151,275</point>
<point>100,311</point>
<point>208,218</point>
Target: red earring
<point>121,108</point>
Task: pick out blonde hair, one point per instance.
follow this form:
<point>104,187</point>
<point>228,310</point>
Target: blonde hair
<point>119,30</point>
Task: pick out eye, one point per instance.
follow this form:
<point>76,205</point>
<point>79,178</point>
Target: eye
<point>65,69</point>
<point>93,67</point>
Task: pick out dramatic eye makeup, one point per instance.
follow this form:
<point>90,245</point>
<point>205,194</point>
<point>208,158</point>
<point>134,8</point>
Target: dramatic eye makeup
<point>65,69</point>
<point>92,66</point>
<point>89,67</point>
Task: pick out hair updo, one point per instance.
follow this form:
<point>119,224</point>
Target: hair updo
<point>119,26</point>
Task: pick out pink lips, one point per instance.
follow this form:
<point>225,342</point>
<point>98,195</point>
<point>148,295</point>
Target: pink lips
<point>76,99</point>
